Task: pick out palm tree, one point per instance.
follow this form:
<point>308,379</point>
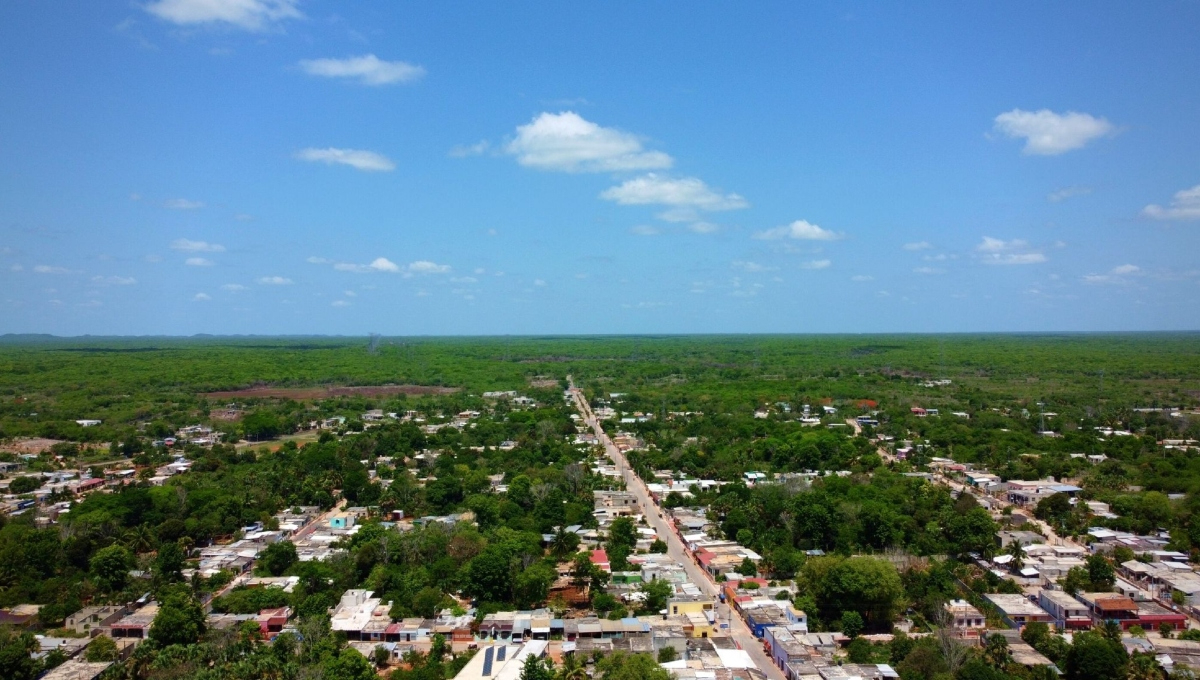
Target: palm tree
<point>140,539</point>
<point>1143,667</point>
<point>571,669</point>
<point>1017,552</point>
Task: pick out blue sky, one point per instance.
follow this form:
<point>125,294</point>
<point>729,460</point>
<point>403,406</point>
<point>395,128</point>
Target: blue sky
<point>300,166</point>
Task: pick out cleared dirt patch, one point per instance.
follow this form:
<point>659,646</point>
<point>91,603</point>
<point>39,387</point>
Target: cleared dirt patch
<point>301,393</point>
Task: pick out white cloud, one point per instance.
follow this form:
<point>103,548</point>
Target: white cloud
<point>927,270</point>
<point>379,264</point>
<point>477,149</point>
<point>1067,192</point>
<point>800,230</point>
<point>1047,133</point>
<point>367,70</point>
<point>464,279</point>
<point>182,204</point>
<point>317,260</point>
<point>48,269</point>
<point>427,267</point>
<point>367,161</point>
<point>198,262</point>
<point>996,251</point>
<point>645,230</point>
<point>1118,275</point>
<point>704,227</point>
<point>251,15</point>
<point>685,192</point>
<point>275,281</point>
<point>201,297</point>
<point>747,266</point>
<point>539,282</point>
<point>1184,206</point>
<point>243,217</point>
<point>17,268</point>
<point>816,264</point>
<point>234,287</point>
<point>153,258</point>
<point>566,142</point>
<point>862,277</point>
<point>196,246</point>
<point>340,303</point>
<point>349,293</point>
<point>919,245</point>
<point>114,280</point>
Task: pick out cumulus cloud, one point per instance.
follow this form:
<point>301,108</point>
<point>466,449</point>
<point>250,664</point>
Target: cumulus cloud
<point>802,230</point>
<point>201,297</point>
<point>367,161</point>
<point>250,15</point>
<point>1126,269</point>
<point>704,227</point>
<point>275,281</point>
<point>862,277</point>
<point>234,287</point>
<point>919,245</point>
<point>114,280</point>
<point>379,264</point>
<point>645,230</point>
<point>1185,205</point>
<point>182,204</point>
<point>317,260</point>
<point>189,246</point>
<point>566,142</point>
<point>1047,133</point>
<point>340,303</point>
<point>997,251</point>
<point>816,264</point>
<point>427,267</point>
<point>684,192</point>
<point>50,269</point>
<point>198,262</point>
<point>927,270</point>
<point>1067,192</point>
<point>367,70</point>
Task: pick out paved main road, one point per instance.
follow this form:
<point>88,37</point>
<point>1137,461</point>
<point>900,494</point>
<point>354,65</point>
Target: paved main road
<point>675,548</point>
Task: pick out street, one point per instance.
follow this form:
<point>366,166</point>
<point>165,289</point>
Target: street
<point>738,629</point>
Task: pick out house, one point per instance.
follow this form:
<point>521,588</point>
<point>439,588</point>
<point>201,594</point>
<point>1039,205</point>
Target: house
<point>90,620</point>
<point>137,624</point>
<point>600,559</point>
<point>273,620</point>
<point>87,423</point>
<point>76,669</point>
<point>965,620</point>
<point>1017,611</point>
<point>20,615</point>
<point>341,520</point>
<point>501,661</point>
<point>1068,613</point>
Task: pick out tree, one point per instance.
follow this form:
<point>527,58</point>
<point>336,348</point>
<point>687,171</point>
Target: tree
<point>865,585</point>
<point>531,585</point>
<point>426,602</point>
<point>24,485</point>
<point>852,624</point>
<point>180,619</point>
<point>995,652</point>
<point>658,546</point>
<point>1075,581</point>
<point>564,543</point>
<point>380,656</point>
<point>667,654</point>
<point>1100,573</point>
<point>348,665</point>
<point>101,648</point>
<point>1017,552</point>
<point>278,557</point>
<point>748,568</point>
<point>537,669</point>
<point>657,592</point>
<point>622,666</point>
<point>16,660</point>
<point>488,577</point>
<point>1095,657</point>
<point>859,650</point>
<point>168,564</point>
<point>1143,667</point>
<point>110,567</point>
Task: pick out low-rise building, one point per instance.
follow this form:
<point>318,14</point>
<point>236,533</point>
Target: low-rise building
<point>965,620</point>
<point>1017,610</point>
